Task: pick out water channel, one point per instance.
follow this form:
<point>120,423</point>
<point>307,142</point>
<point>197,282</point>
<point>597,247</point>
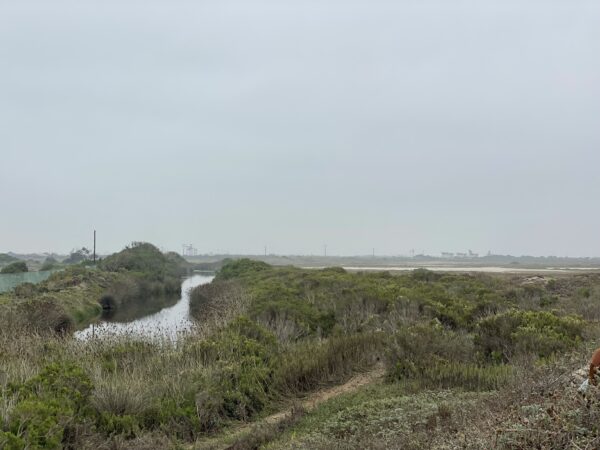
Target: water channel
<point>168,320</point>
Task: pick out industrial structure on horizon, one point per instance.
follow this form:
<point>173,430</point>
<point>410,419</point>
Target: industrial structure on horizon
<point>189,250</point>
<point>460,255</point>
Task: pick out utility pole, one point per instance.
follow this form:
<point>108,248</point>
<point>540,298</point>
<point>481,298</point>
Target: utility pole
<point>94,247</point>
<point>373,252</point>
<point>265,250</point>
<point>325,249</point>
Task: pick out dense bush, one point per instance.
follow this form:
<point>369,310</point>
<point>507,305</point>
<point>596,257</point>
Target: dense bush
<point>48,407</point>
<point>147,260</point>
<point>296,303</point>
<point>16,267</point>
<point>428,355</point>
<point>45,314</point>
<point>543,333</point>
<point>78,256</point>
<point>49,263</point>
<point>241,267</point>
<point>425,275</point>
<point>67,299</point>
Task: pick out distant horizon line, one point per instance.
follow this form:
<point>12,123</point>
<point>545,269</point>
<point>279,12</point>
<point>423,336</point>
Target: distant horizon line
<point>441,256</point>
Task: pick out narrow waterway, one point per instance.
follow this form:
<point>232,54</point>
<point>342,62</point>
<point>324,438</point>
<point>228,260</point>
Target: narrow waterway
<point>168,323</point>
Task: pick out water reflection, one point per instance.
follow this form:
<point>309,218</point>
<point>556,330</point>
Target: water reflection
<point>168,323</point>
<point>139,308</point>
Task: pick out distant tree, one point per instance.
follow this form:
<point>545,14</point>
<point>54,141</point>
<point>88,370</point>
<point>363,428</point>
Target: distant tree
<point>147,259</point>
<point>49,263</point>
<point>77,256</point>
<point>16,267</point>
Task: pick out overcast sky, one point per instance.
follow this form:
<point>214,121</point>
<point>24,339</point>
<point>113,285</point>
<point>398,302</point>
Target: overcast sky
<point>398,125</point>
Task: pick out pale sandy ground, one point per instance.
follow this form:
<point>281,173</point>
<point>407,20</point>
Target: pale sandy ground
<point>468,269</point>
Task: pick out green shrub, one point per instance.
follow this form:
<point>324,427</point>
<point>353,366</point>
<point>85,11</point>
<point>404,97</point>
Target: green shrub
<point>49,263</point>
<point>425,275</point>
<point>41,422</point>
<point>241,267</point>
<point>16,267</point>
<point>49,404</point>
<point>67,381</point>
<point>435,357</point>
<point>147,260</point>
<point>79,256</point>
<point>539,332</point>
<point>126,425</point>
<point>179,418</point>
<point>584,292</point>
<point>242,358</point>
<point>421,341</point>
<point>9,441</point>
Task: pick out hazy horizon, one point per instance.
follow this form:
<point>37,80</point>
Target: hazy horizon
<point>361,124</point>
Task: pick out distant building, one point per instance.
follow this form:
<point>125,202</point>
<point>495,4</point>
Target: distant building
<point>447,255</point>
<point>189,250</point>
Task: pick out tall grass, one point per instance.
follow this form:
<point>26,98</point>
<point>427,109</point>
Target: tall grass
<point>309,364</point>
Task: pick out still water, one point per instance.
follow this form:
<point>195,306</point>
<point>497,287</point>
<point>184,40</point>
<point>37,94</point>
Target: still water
<point>135,320</point>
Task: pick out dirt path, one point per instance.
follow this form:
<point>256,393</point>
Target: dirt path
<point>308,404</point>
<point>321,396</point>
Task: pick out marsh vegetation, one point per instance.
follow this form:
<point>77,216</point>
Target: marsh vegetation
<point>461,353</point>
<point>75,296</point>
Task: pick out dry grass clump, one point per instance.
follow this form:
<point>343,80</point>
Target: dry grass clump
<point>216,304</point>
<point>126,394</point>
<point>542,408</point>
<point>307,365</point>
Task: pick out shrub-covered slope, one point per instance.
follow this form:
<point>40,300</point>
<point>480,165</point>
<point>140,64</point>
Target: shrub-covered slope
<point>461,352</point>
<point>72,297</point>
<point>67,299</point>
<point>15,267</point>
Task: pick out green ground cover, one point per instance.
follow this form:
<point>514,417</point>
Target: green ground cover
<point>469,359</point>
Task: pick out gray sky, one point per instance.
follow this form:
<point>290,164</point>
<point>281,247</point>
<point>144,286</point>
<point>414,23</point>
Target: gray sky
<point>438,126</point>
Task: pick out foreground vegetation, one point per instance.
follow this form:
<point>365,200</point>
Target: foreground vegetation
<point>471,361</point>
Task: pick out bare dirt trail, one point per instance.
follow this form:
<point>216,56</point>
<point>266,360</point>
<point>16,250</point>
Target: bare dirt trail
<point>316,398</point>
<point>308,404</point>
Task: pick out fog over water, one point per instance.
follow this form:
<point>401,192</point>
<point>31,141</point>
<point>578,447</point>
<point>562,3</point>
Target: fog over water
<point>426,125</point>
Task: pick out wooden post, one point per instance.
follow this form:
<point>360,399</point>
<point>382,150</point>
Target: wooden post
<point>94,247</point>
